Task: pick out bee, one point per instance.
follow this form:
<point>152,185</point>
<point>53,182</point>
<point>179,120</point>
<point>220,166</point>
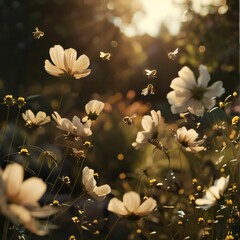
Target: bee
<point>156,143</point>
<point>151,73</point>
<point>129,120</point>
<point>148,90</point>
<point>37,34</point>
<point>105,56</point>
<point>173,55</point>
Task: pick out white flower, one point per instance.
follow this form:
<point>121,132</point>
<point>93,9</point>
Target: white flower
<point>31,120</point>
<point>213,193</point>
<point>93,109</point>
<point>90,185</point>
<point>191,94</point>
<point>19,199</point>
<point>187,138</point>
<point>131,206</point>
<point>150,126</point>
<point>66,62</point>
<point>75,128</point>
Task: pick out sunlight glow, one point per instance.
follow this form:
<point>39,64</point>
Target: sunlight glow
<point>154,13</point>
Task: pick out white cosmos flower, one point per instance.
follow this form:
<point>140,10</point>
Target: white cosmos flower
<point>66,62</point>
<point>35,121</point>
<point>93,108</point>
<point>90,185</point>
<point>131,206</point>
<point>213,193</point>
<point>74,127</point>
<point>191,94</point>
<point>150,125</point>
<point>19,199</point>
<point>187,138</point>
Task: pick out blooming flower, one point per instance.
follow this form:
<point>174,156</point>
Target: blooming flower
<point>90,185</point>
<point>19,199</point>
<point>213,193</point>
<point>150,126</point>
<point>66,62</point>
<point>193,95</point>
<point>93,109</point>
<point>74,128</point>
<point>187,138</point>
<point>35,121</point>
<point>131,206</point>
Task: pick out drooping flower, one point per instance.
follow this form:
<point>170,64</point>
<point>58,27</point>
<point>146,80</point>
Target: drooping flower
<point>192,95</point>
<point>131,206</point>
<point>19,199</point>
<point>93,108</point>
<point>187,138</point>
<point>66,62</point>
<point>90,185</point>
<point>74,128</point>
<point>150,125</point>
<point>35,121</point>
<point>213,193</point>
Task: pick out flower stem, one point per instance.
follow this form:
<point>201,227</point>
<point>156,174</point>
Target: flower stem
<point>114,225</point>
<point>5,229</point>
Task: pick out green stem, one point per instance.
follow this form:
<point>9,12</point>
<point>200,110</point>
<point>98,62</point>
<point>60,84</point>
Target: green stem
<point>114,225</point>
<point>5,229</point>
<point>15,125</point>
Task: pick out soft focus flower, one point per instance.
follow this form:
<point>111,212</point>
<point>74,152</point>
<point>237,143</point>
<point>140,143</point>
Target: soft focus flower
<point>35,121</point>
<point>93,109</point>
<point>213,193</point>
<point>187,138</point>
<point>131,205</point>
<point>150,126</point>
<point>19,199</point>
<point>193,95</point>
<point>90,185</point>
<point>66,62</point>
<point>75,128</point>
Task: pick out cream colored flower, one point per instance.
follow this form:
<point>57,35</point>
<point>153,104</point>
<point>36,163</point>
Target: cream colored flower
<point>19,199</point>
<point>74,127</point>
<point>187,138</point>
<point>193,95</point>
<point>213,193</point>
<point>35,121</point>
<point>90,185</point>
<point>93,108</point>
<point>150,125</point>
<point>131,206</point>
<point>66,62</point>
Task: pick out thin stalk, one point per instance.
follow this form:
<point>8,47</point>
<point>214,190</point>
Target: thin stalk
<point>15,125</point>
<point>5,229</point>
<point>114,225</point>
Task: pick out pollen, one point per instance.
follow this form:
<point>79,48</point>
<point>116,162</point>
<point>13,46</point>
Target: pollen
<point>75,219</point>
<point>24,152</point>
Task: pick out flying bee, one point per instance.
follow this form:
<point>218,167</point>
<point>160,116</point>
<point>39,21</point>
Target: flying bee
<point>105,56</point>
<point>129,120</point>
<point>173,55</point>
<point>37,34</point>
<point>149,90</point>
<point>151,73</point>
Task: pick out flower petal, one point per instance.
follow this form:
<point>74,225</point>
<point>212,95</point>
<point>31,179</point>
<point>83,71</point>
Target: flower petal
<point>52,69</point>
<point>31,191</point>
<point>13,177</point>
<point>57,55</point>
<point>131,201</point>
<point>204,77</point>
<point>146,207</point>
<point>116,206</point>
<point>81,63</point>
<point>70,56</point>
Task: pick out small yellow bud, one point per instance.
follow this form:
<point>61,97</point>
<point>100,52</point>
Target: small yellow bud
<point>21,102</point>
<point>8,100</point>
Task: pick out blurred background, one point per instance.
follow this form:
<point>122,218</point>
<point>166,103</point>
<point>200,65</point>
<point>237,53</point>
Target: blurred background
<point>138,34</point>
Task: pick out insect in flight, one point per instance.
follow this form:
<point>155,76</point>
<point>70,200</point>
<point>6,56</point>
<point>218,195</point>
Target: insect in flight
<point>151,73</point>
<point>129,120</point>
<point>105,56</point>
<point>38,34</point>
<point>173,55</point>
<point>148,90</point>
